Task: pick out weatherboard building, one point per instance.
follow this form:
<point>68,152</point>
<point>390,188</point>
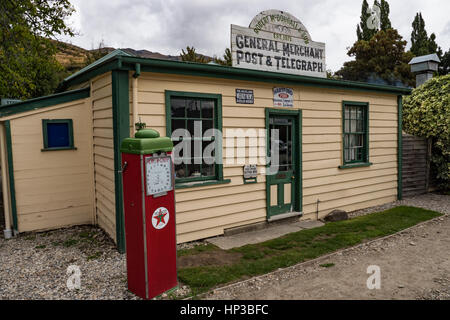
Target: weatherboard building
<point>338,141</point>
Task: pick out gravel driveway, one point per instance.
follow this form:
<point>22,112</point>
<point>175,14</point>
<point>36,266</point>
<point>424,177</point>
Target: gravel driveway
<point>414,264</point>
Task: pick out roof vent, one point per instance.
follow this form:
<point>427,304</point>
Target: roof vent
<point>424,67</point>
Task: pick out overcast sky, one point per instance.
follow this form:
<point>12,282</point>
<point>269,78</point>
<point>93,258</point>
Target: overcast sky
<point>167,26</point>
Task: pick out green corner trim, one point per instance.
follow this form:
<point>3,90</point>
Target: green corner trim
<point>121,128</point>
<point>400,148</point>
<point>43,102</point>
<point>11,174</point>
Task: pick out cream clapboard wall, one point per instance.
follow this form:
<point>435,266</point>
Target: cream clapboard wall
<point>53,188</point>
<point>103,148</point>
<point>206,211</point>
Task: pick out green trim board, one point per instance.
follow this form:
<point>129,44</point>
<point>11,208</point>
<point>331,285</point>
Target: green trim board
<point>121,129</point>
<point>12,189</point>
<point>216,71</point>
<point>201,183</point>
<point>365,133</point>
<point>400,147</point>
<point>298,162</point>
<point>43,102</point>
<point>217,120</point>
<point>45,123</point>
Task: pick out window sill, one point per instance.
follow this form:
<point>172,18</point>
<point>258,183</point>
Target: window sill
<point>194,184</point>
<point>57,149</point>
<point>355,165</point>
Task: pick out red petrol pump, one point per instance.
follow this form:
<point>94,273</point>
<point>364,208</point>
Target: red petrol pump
<point>149,206</point>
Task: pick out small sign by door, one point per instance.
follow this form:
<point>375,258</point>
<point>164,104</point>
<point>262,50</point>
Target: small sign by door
<point>283,97</point>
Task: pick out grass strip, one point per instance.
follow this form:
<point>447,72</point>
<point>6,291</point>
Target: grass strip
<point>300,246</point>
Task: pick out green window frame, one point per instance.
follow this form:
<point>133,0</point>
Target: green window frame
<point>187,119</point>
<point>355,134</point>
<point>46,122</point>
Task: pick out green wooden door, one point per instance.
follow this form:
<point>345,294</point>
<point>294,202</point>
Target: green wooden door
<point>281,185</point>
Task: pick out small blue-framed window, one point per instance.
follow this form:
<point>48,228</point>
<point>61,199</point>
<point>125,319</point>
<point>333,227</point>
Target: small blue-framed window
<point>58,134</point>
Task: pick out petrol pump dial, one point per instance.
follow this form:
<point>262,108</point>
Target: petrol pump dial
<point>158,175</point>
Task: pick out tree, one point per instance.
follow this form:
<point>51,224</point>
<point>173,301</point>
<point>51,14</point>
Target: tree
<point>191,56</point>
<point>426,113</point>
<point>28,67</point>
<point>227,58</point>
<point>381,59</point>
<point>444,66</point>
<point>421,44</point>
<point>385,21</point>
<point>363,31</point>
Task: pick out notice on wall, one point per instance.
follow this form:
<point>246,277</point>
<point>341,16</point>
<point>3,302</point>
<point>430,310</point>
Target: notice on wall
<point>283,97</point>
<point>244,96</point>
<point>250,171</point>
<point>277,41</point>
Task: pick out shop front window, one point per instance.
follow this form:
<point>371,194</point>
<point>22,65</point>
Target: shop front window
<point>192,123</point>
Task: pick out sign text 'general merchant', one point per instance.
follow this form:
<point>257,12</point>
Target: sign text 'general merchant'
<point>277,41</point>
<point>285,55</point>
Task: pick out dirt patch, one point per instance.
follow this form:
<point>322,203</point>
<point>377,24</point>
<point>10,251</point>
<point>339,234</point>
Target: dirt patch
<point>209,258</point>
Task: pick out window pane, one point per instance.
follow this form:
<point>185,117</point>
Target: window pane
<point>178,107</point>
<point>193,109</point>
<point>359,126</point>
<point>359,113</point>
<point>208,169</point>
<point>351,140</point>
<point>353,113</point>
<point>208,109</point>
<point>352,125</point>
<point>359,140</point>
<point>193,171</point>
<point>178,124</point>
<point>180,171</point>
<point>206,125</point>
<point>58,135</point>
<point>347,113</point>
<point>347,126</point>
<point>193,125</point>
<point>211,151</point>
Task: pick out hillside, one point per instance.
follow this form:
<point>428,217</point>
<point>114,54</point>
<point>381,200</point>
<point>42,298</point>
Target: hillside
<point>73,58</point>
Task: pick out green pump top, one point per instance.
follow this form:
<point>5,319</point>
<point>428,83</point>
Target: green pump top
<point>146,141</point>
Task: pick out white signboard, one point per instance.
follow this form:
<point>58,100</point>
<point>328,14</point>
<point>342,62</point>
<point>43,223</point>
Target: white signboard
<point>283,97</point>
<point>277,41</point>
<point>158,175</point>
<point>250,171</point>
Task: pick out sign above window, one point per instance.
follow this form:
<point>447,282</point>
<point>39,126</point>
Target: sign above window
<point>277,41</point>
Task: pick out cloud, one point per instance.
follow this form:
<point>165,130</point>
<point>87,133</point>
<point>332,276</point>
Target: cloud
<point>167,26</point>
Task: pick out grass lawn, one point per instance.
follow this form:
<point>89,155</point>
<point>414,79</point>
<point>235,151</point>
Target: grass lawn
<point>256,259</point>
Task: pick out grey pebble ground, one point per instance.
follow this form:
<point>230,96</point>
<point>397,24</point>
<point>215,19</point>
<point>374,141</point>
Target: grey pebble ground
<point>34,265</point>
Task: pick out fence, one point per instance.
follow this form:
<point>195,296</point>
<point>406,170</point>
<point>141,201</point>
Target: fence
<point>416,165</point>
